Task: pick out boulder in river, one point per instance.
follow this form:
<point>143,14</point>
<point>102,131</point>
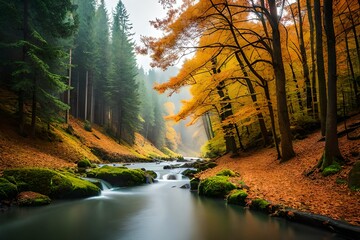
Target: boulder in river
<point>32,199</point>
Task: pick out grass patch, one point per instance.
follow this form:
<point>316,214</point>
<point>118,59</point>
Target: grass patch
<point>226,172</point>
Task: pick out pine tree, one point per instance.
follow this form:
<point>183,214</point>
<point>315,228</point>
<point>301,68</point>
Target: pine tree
<point>37,55</point>
<point>123,89</point>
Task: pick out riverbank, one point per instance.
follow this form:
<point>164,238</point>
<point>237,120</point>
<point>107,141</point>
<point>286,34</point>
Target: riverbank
<point>287,184</point>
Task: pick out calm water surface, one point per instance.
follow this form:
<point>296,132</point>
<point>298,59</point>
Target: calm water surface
<point>160,211</point>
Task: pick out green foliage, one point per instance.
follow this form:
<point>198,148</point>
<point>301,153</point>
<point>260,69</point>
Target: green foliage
<point>218,186</point>
<point>226,172</point>
<point>51,183</point>
<point>8,190</point>
<point>189,173</point>
<point>332,169</point>
<point>259,204</point>
<point>237,197</point>
<point>119,176</point>
<point>213,148</point>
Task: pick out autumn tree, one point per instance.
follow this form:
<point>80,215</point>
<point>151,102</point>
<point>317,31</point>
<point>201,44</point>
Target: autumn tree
<point>192,22</point>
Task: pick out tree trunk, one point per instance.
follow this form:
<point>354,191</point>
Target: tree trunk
<point>21,93</point>
<point>286,146</point>
<point>86,95</point>
<point>68,102</point>
<point>313,65</point>
<point>33,107</point>
<point>304,63</point>
<point>320,65</point>
<point>332,151</point>
<point>298,94</point>
<point>272,119</point>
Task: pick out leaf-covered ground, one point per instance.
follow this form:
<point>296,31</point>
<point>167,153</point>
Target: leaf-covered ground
<point>287,184</point>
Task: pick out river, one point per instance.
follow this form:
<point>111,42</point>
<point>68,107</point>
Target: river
<point>160,211</point>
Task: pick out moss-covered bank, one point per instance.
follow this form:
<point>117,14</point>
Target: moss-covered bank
<point>51,183</point>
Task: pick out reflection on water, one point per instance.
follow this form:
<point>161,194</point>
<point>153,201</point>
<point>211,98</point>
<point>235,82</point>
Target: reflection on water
<point>160,211</point>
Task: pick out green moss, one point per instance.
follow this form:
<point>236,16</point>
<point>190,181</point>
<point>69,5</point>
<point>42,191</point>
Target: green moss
<point>259,204</point>
<point>8,190</point>
<point>218,186</point>
<point>119,176</point>
<point>237,197</point>
<point>226,172</point>
<point>84,163</point>
<point>31,199</point>
<point>332,169</point>
<point>52,183</point>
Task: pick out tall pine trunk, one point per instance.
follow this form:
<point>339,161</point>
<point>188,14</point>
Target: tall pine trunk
<point>332,151</point>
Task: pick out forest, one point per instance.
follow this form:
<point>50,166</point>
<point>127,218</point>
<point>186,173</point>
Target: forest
<point>69,58</point>
<point>251,102</point>
<point>262,72</point>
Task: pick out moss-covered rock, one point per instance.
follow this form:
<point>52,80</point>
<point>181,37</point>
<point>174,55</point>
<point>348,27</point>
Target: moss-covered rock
<point>51,183</point>
<point>8,190</point>
<point>119,176</point>
<point>84,163</point>
<point>189,173</point>
<point>332,169</point>
<point>194,184</point>
<point>32,199</point>
<point>354,177</point>
<point>237,197</point>
<point>226,172</point>
<point>218,186</point>
<point>259,204</point>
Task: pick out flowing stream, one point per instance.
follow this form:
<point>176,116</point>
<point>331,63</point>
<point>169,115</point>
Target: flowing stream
<point>160,211</point>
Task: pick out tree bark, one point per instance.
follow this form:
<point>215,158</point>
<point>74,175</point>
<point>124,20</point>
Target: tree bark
<point>286,146</point>
<point>332,151</point>
<point>320,66</point>
<point>313,65</point>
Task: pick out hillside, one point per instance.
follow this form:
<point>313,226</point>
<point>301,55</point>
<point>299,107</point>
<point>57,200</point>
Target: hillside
<point>287,183</point>
<point>64,146</point>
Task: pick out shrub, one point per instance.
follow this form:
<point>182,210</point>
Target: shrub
<point>226,172</point>
<point>237,197</point>
<point>332,169</point>
<point>218,186</point>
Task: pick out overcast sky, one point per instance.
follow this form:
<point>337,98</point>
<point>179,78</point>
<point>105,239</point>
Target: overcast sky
<point>140,13</point>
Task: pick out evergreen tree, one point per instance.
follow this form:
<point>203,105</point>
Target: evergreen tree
<point>123,89</point>
<point>83,59</point>
<point>37,54</point>
<point>101,42</point>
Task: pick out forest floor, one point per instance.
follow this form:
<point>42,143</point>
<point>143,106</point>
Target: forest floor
<point>287,184</point>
